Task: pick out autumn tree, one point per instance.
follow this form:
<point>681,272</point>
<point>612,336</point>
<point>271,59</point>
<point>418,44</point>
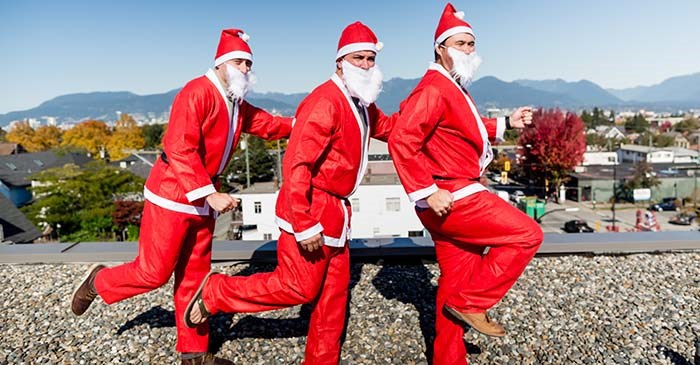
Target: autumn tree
<point>48,137</point>
<point>665,127</point>
<point>552,146</point>
<point>23,133</point>
<point>91,135</point>
<point>126,136</point>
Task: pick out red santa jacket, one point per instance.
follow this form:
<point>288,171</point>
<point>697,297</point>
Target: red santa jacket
<point>440,140</point>
<point>203,130</point>
<point>324,163</point>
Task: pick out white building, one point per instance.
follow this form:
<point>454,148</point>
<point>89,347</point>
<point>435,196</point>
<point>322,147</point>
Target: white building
<point>258,210</point>
<point>599,158</point>
<point>634,153</point>
<point>380,208</point>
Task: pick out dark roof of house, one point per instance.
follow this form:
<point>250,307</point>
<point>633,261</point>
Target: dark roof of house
<point>15,169</point>
<point>15,225</point>
<point>139,163</point>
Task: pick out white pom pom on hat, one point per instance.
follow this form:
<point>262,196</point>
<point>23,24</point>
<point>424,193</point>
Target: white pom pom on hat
<point>244,36</point>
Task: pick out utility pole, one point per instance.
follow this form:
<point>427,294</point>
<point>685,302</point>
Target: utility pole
<point>279,162</point>
<point>244,145</point>
<point>614,194</point>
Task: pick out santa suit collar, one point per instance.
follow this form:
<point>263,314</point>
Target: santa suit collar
<point>232,112</point>
<point>486,154</point>
<point>364,132</point>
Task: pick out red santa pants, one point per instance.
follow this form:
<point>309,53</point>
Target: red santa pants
<point>169,241</point>
<point>320,278</point>
<point>470,281</point>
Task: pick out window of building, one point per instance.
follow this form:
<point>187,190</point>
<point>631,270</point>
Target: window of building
<point>267,236</point>
<point>355,202</point>
<point>393,204</point>
<point>258,207</point>
<point>415,233</point>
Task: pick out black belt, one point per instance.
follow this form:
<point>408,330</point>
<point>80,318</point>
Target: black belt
<point>164,157</point>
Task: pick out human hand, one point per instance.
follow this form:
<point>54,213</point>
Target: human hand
<point>221,202</point>
<point>312,244</point>
<point>440,202</point>
<point>521,117</point>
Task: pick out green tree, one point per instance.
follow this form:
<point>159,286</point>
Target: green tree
<point>643,177</point>
<point>587,119</point>
<point>637,124</point>
<point>260,161</point>
<point>2,135</point>
<point>153,135</point>
<point>80,199</point>
<point>687,126</point>
<point>595,139</point>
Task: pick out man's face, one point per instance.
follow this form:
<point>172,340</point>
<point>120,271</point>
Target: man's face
<point>361,59</point>
<point>241,64</point>
<point>463,42</point>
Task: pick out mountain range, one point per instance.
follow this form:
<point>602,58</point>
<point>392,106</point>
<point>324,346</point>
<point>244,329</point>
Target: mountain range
<point>675,93</point>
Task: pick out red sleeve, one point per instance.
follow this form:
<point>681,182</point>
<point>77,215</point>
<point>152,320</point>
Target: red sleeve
<point>311,136</point>
<point>183,138</point>
<point>382,125</point>
<point>260,123</point>
<point>495,127</point>
<point>419,116</point>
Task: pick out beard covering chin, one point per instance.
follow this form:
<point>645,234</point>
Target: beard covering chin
<point>239,84</point>
<point>362,84</point>
<point>464,66</point>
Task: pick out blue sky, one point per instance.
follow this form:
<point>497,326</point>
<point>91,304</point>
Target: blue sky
<point>51,48</point>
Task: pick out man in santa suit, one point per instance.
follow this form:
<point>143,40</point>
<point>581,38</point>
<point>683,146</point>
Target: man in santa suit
<point>441,146</point>
<point>323,165</point>
<point>182,199</point>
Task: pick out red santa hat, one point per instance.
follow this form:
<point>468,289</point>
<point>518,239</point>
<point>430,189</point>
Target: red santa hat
<point>357,37</point>
<point>233,44</point>
<point>451,23</point>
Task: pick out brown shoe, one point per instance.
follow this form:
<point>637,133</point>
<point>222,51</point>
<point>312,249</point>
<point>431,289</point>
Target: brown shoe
<point>204,359</point>
<point>479,321</point>
<point>85,293</point>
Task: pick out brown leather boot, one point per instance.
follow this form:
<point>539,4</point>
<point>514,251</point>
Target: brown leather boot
<point>85,293</point>
<point>206,358</point>
<point>479,321</point>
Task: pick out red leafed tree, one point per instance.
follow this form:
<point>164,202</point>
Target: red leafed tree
<point>551,147</point>
<point>127,213</point>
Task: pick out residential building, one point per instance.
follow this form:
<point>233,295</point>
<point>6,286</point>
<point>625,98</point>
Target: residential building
<point>14,225</point>
<point>16,171</point>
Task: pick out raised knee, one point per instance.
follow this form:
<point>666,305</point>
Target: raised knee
<point>307,290</point>
<point>155,280</point>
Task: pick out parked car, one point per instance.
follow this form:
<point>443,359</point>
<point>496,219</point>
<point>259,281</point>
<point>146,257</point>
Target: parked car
<point>517,195</point>
<point>667,204</point>
<point>577,226</point>
<point>683,219</point>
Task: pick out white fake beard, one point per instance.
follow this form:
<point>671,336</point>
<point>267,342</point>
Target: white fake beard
<point>238,83</point>
<point>464,66</point>
<point>362,84</point>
